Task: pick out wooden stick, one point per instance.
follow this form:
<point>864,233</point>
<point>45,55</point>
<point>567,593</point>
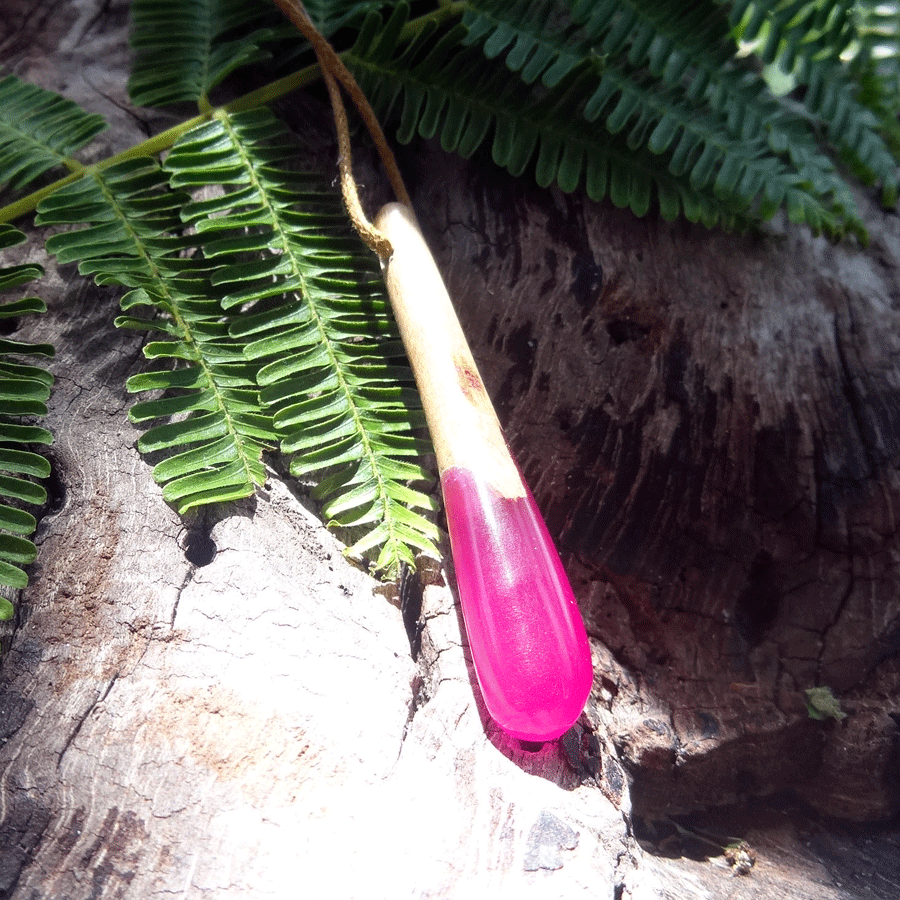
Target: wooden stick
<point>464,428</point>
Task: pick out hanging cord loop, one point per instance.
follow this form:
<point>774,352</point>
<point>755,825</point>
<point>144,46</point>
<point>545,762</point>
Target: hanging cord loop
<point>334,71</point>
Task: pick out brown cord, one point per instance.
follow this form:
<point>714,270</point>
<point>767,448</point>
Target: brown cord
<point>334,70</point>
<point>366,230</point>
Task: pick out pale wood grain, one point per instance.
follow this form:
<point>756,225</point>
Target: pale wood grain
<point>461,418</point>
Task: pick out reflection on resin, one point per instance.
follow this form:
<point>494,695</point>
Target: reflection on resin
<point>525,631</point>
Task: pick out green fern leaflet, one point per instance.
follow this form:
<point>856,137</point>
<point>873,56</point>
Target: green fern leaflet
<point>183,50</point>
<point>311,303</point>
<point>133,239</point>
<point>24,390</point>
<point>39,130</point>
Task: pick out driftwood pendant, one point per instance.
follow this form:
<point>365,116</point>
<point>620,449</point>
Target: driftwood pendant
<point>525,631</point>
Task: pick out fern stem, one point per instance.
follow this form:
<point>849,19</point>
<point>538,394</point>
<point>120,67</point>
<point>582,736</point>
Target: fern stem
<point>268,93</point>
<point>369,452</point>
<point>163,141</point>
<point>151,147</point>
<point>27,204</point>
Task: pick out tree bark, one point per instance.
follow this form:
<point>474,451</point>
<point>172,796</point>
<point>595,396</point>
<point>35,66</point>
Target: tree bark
<point>222,706</point>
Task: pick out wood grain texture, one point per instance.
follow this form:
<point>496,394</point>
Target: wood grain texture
<point>222,707</point>
<point>711,424</point>
<point>461,419</point>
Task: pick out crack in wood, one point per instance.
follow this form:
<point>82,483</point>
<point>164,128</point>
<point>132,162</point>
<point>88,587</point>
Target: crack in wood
<point>79,724</point>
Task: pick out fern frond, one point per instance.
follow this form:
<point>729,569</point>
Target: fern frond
<point>452,93</point>
<point>876,65</point>
<point>213,443</point>
<point>24,390</point>
<point>39,130</point>
<point>665,78</point>
<point>794,33</point>
<point>806,39</point>
<point>312,306</point>
<point>733,159</point>
<point>685,50</point>
<point>671,76</point>
<point>183,50</point>
<point>543,39</point>
<point>878,30</point>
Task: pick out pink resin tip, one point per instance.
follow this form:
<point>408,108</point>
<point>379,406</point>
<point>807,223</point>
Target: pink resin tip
<point>525,631</point>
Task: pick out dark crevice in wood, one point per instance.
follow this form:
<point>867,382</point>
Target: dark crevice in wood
<point>199,548</point>
<point>85,715</point>
<point>411,592</point>
<point>757,605</point>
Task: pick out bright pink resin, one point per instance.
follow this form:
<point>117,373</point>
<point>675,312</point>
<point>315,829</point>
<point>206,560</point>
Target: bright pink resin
<point>525,631</point>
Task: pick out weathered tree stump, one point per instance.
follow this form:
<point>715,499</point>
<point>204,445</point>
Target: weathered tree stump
<point>712,425</point>
<point>222,706</point>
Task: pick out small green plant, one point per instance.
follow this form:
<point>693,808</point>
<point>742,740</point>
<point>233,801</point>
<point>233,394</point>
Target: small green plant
<point>822,704</point>
<point>269,324</point>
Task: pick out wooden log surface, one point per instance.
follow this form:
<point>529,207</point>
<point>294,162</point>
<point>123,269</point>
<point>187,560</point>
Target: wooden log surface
<point>222,706</point>
<point>712,426</point>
